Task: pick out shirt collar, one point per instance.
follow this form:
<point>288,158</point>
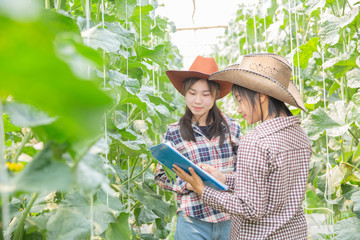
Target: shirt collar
<point>273,125</point>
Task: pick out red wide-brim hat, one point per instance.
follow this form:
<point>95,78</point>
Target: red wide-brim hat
<point>202,67</point>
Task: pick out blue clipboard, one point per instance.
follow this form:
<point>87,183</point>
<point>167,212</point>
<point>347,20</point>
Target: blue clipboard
<point>167,155</point>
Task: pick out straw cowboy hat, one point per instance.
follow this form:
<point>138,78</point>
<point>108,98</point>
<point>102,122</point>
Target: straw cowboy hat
<point>264,73</point>
<point>202,67</point>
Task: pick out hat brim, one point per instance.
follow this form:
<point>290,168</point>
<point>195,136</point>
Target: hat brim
<point>177,78</point>
<point>262,84</point>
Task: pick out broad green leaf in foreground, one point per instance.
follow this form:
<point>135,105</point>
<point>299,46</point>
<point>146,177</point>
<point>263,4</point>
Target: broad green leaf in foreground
<point>33,74</point>
<point>45,173</point>
<point>23,115</point>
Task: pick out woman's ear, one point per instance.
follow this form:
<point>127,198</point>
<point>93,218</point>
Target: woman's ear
<point>263,97</point>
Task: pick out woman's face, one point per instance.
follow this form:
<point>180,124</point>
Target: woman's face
<point>247,111</point>
<point>199,99</point>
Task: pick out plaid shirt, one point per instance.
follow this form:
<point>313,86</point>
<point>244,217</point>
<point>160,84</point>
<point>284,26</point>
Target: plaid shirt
<point>269,185</point>
<point>203,151</point>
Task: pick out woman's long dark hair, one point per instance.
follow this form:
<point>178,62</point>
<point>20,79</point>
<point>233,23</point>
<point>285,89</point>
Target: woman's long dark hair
<point>276,107</point>
<point>214,116</point>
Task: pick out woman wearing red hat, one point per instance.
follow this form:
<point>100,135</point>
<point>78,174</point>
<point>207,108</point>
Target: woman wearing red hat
<point>272,166</point>
<point>205,136</point>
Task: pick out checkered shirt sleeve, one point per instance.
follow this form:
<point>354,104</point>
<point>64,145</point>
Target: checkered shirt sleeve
<point>268,189</point>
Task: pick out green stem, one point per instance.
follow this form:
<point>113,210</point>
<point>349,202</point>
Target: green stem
<point>353,135</point>
<point>332,9</point>
<point>351,166</point>
<point>4,179</point>
<point>58,5</point>
<point>20,148</point>
<point>19,231</point>
<point>83,6</point>
<point>343,13</point>
<point>140,173</point>
<point>47,4</point>
<point>133,168</point>
<point>320,208</point>
<point>98,11</point>
<point>342,148</point>
<point>132,208</point>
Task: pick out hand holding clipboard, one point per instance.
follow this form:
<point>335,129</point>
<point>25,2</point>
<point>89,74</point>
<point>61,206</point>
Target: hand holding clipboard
<point>167,155</point>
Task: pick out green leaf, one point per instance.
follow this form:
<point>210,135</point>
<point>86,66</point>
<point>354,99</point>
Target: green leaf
<point>356,98</point>
<point>153,202</point>
<point>353,78</point>
<point>35,176</point>
<point>68,224</point>
<point>356,199</point>
<point>143,216</point>
<point>23,115</point>
<point>313,5</point>
<point>156,55</point>
<point>306,52</point>
<point>317,122</point>
<point>121,80</point>
<point>38,81</point>
<point>8,125</point>
<point>146,21</point>
<point>341,67</point>
<point>120,229</point>
<point>21,10</point>
<point>110,38</point>
<point>90,172</point>
<point>125,8</point>
<point>348,229</point>
<point>329,31</point>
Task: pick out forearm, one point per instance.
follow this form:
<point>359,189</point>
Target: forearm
<point>232,204</point>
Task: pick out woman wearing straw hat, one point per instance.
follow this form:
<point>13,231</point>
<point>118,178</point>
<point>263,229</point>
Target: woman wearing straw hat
<point>273,159</point>
<point>203,135</point>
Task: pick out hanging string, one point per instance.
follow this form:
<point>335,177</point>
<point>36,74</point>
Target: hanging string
<point>127,111</point>
<point>4,180</point>
<point>105,114</point>
<point>299,80</point>
<point>291,44</point>
<point>140,23</point>
<point>91,216</point>
<point>255,32</point>
<point>128,162</point>
<point>265,30</point>
<point>87,13</point>
<point>327,193</point>
<point>246,33</point>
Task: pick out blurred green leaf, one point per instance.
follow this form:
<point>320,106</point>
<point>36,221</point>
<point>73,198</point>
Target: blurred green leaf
<point>348,229</point>
<point>23,115</point>
<point>125,8</point>
<point>35,176</point>
<point>353,78</point>
<point>329,31</point>
<point>356,199</point>
<point>38,81</point>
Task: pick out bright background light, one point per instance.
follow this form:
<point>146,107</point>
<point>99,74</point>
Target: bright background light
<point>208,13</point>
